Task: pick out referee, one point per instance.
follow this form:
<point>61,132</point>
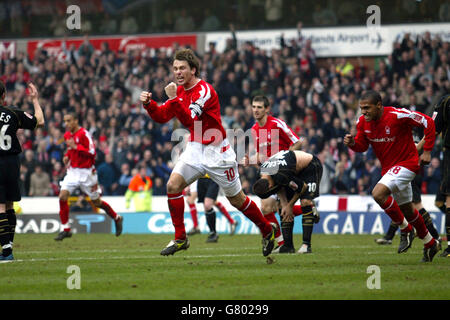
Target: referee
<point>12,119</point>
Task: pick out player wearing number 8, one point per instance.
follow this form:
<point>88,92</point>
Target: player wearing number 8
<point>195,103</point>
<point>389,131</point>
<point>12,119</point>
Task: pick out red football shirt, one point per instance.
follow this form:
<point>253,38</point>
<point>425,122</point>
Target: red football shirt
<point>84,155</point>
<point>205,129</point>
<point>391,137</point>
<point>273,137</point>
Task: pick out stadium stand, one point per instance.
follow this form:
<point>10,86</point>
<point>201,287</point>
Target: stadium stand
<point>318,98</point>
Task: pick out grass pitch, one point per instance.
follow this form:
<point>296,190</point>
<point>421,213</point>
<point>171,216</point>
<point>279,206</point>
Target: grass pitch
<point>130,267</point>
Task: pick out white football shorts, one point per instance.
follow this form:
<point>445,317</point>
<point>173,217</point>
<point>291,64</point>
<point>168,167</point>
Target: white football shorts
<point>219,162</point>
<point>398,180</point>
<point>85,179</point>
<point>193,186</point>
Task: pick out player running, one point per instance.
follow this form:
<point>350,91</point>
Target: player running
<point>81,173</point>
<point>388,131</point>
<point>195,104</point>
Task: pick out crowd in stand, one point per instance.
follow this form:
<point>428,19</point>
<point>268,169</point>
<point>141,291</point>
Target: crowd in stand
<point>318,100</point>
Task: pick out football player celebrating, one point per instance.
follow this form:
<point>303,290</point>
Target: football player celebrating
<point>388,131</point>
<point>195,103</point>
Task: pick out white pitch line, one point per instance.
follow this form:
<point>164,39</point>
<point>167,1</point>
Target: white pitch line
<point>131,257</point>
<point>128,250</point>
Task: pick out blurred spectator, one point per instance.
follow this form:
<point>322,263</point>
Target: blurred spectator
<point>432,176</point>
<point>184,22</point>
<point>159,188</point>
<point>210,21</point>
<point>107,176</point>
<point>140,191</point>
<point>128,24</point>
<point>86,49</point>
<point>58,24</point>
<point>124,179</point>
<point>324,16</point>
<point>108,25</point>
<point>39,183</point>
<point>274,11</point>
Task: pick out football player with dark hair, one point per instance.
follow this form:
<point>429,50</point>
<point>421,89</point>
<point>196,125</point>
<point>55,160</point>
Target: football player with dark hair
<point>81,173</point>
<point>292,175</point>
<point>270,135</point>
<point>195,104</point>
<point>12,119</point>
<point>388,131</point>
<point>416,184</point>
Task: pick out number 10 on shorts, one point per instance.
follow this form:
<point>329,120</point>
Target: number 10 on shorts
<point>230,174</point>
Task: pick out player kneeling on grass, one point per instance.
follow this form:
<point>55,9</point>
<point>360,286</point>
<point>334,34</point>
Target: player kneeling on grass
<point>292,175</point>
<point>81,173</point>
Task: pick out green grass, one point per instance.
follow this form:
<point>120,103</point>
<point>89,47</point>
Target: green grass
<point>130,267</point>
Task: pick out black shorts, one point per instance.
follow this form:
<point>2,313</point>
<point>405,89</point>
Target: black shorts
<point>440,197</point>
<point>9,178</point>
<point>416,185</point>
<point>311,175</point>
<point>445,182</point>
<point>207,188</point>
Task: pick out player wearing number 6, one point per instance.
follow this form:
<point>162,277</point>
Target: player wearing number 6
<point>195,103</point>
<point>389,131</point>
<point>12,119</point>
<point>292,175</point>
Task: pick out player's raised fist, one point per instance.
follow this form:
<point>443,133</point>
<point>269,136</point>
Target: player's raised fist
<point>349,140</point>
<point>145,97</point>
<point>171,90</point>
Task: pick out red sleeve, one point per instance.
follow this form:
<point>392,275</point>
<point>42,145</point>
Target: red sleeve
<point>418,119</point>
<point>361,142</point>
<point>86,145</point>
<point>183,114</point>
<point>68,153</point>
<point>160,114</point>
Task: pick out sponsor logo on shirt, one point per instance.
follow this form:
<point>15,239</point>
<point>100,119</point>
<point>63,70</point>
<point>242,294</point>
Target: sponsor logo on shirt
<point>385,139</point>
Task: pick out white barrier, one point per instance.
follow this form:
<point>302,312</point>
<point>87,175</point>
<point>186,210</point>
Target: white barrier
<point>350,203</point>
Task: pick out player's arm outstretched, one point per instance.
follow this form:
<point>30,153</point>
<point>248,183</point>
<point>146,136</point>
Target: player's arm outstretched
<point>358,143</point>
<point>34,96</point>
<point>160,114</point>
